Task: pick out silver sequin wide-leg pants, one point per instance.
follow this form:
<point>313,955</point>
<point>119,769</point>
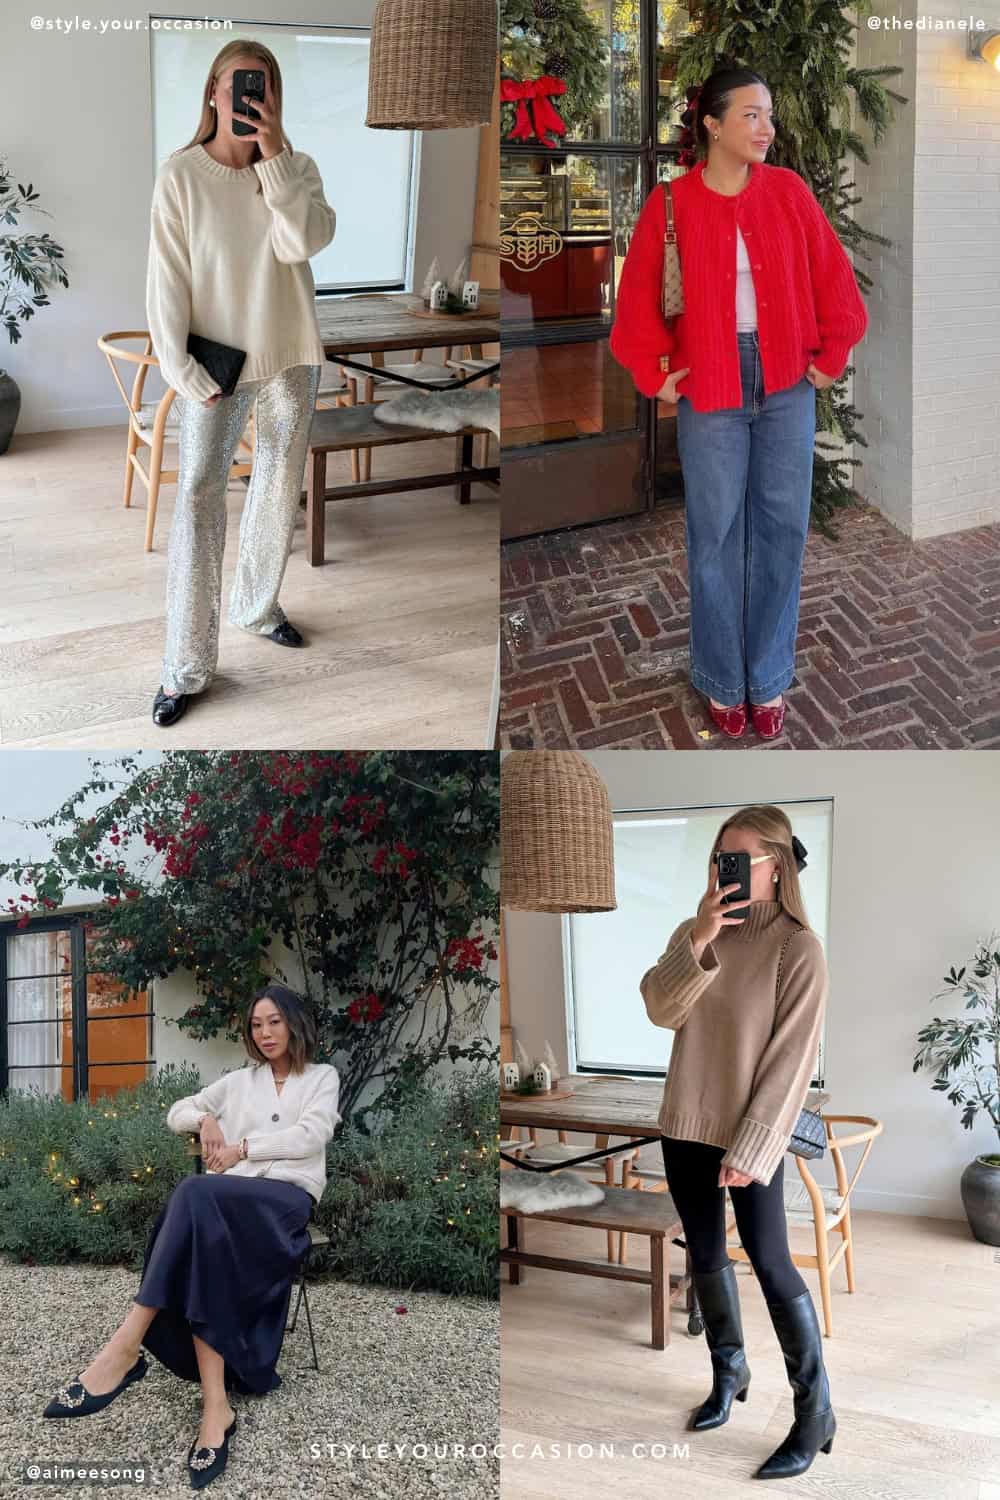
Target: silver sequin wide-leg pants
<point>208,438</point>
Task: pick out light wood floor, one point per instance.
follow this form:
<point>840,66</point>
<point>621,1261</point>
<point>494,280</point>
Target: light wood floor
<point>401,621</point>
<point>913,1365</point>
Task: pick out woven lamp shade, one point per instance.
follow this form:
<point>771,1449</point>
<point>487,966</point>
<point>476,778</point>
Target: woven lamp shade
<point>433,64</point>
<point>556,844</point>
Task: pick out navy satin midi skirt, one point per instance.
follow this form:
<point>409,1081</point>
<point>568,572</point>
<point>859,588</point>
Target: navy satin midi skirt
<point>219,1263</point>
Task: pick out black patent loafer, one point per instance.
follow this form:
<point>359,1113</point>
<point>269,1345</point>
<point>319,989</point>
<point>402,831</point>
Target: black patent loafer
<point>74,1400</point>
<point>286,635</point>
<point>208,1463</point>
<point>167,710</point>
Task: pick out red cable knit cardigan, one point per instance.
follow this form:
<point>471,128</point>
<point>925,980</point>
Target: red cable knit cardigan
<point>809,308</point>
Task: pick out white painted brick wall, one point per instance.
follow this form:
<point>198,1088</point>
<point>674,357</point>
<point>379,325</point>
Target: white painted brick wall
<point>945,352</point>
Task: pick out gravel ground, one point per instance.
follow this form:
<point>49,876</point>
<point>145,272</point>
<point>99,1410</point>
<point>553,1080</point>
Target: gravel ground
<point>429,1376</point>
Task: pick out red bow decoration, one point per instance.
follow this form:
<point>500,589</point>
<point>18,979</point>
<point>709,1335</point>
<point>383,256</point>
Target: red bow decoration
<point>536,92</point>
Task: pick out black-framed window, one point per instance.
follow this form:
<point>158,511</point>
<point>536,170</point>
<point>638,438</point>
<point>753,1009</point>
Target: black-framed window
<point>66,1028</point>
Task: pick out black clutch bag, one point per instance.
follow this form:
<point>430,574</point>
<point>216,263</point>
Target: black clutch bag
<point>222,362</point>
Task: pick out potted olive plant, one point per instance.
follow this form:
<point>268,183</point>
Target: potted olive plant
<point>29,263</point>
<point>965,1054</point>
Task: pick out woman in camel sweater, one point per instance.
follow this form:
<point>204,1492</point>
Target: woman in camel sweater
<point>233,223</point>
<point>222,1255</point>
<point>771,310</point>
<point>746,997</point>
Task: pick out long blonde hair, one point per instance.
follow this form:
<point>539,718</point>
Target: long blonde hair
<point>774,830</point>
<point>209,122</point>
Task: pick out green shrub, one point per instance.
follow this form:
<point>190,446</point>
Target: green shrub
<point>413,1206</point>
<point>416,1205</point>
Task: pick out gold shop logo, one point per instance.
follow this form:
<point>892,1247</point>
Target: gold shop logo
<point>529,242</point>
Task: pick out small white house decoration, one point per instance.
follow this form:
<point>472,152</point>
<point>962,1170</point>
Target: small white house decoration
<point>470,295</point>
<point>511,1075</point>
<point>542,1076</point>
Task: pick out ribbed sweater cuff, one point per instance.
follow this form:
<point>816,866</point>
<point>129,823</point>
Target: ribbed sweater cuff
<point>676,980</point>
<point>832,359</point>
<point>756,1149</point>
<point>199,385</point>
<point>277,170</point>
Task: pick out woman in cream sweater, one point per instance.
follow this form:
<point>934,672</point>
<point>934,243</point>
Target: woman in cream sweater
<point>233,223</point>
<point>746,997</point>
<point>225,1249</point>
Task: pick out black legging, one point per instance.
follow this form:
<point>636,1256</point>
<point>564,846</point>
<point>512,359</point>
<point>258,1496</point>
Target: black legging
<point>692,1170</point>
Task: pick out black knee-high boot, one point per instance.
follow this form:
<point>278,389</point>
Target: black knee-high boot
<point>812,1431</point>
<point>719,1300</point>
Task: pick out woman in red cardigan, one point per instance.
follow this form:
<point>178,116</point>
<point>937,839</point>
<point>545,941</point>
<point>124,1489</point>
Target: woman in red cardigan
<point>771,311</point>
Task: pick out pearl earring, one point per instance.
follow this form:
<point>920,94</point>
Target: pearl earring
<point>775,878</point>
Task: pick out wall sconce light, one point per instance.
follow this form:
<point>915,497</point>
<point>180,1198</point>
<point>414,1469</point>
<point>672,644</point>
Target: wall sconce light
<point>985,45</point>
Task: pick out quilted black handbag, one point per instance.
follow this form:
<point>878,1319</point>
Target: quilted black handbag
<point>222,361</point>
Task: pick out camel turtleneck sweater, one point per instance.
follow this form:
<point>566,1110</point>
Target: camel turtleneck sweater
<point>748,1019</point>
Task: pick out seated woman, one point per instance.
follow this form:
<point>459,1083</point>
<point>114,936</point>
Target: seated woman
<point>222,1255</point>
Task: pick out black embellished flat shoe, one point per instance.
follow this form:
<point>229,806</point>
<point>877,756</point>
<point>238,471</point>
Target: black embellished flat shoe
<point>74,1400</point>
<point>208,1463</point>
<point>286,635</point>
<point>167,710</point>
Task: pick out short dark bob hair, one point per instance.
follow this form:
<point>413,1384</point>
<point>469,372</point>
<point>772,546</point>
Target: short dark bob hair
<point>298,1017</point>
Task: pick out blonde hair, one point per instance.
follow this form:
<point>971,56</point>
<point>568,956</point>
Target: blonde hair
<point>209,123</point>
<point>774,830</point>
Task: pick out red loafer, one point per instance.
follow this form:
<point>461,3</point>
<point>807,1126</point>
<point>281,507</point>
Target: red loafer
<point>732,721</point>
<point>768,721</point>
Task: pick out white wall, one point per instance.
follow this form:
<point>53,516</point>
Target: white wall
<point>928,376</point>
<point>916,868</point>
<point>76,117</point>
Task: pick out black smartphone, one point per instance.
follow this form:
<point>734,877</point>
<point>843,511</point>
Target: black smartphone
<point>733,868</point>
<point>246,81</point>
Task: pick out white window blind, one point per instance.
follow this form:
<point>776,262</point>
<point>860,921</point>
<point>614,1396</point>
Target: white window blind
<point>368,175</point>
<point>661,874</point>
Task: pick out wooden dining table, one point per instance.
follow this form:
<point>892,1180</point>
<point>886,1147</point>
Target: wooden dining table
<point>377,322</point>
<point>598,1106</point>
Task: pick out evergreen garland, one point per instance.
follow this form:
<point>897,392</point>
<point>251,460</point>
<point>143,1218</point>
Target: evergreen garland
<point>802,49</point>
<point>559,37</point>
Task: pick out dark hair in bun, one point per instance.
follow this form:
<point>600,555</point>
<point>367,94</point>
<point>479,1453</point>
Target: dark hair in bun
<point>710,98</point>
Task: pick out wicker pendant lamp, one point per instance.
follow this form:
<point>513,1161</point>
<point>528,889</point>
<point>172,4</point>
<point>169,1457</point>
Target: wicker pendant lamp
<point>433,64</point>
<point>556,845</point>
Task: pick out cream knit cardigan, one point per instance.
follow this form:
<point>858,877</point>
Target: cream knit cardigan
<point>233,265</point>
<point>748,1019</point>
<point>287,1133</point>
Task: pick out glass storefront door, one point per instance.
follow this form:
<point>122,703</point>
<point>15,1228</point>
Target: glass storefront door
<point>579,443</point>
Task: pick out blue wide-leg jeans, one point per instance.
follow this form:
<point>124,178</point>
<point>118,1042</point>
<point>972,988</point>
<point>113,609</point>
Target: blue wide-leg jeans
<point>747,490</point>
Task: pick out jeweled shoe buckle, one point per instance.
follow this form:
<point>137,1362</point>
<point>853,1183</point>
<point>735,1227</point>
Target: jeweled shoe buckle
<point>64,1397</point>
<point>203,1463</point>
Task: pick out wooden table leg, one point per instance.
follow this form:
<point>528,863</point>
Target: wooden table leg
<point>315,509</point>
<point>658,1300</point>
<point>465,483</point>
<point>515,1269</point>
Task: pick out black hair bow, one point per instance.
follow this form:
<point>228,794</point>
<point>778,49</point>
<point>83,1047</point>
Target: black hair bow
<point>800,851</point>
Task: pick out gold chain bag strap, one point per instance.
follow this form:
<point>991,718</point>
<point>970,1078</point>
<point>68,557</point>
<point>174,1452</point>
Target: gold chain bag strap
<point>809,1135</point>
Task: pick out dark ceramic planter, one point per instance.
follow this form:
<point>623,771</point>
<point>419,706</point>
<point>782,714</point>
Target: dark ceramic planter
<point>10,405</point>
<point>981,1197</point>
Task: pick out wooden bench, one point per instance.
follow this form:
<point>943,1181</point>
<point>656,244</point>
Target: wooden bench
<point>652,1214</point>
<point>337,429</point>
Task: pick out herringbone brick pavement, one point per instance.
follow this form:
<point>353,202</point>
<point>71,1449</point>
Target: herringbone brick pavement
<point>899,641</point>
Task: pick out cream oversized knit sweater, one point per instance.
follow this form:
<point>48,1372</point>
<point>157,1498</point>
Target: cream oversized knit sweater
<point>233,265</point>
<point>286,1133</point>
<point>748,1019</point>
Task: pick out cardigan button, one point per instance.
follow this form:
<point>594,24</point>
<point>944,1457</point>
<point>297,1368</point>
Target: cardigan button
<point>274,1117</point>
